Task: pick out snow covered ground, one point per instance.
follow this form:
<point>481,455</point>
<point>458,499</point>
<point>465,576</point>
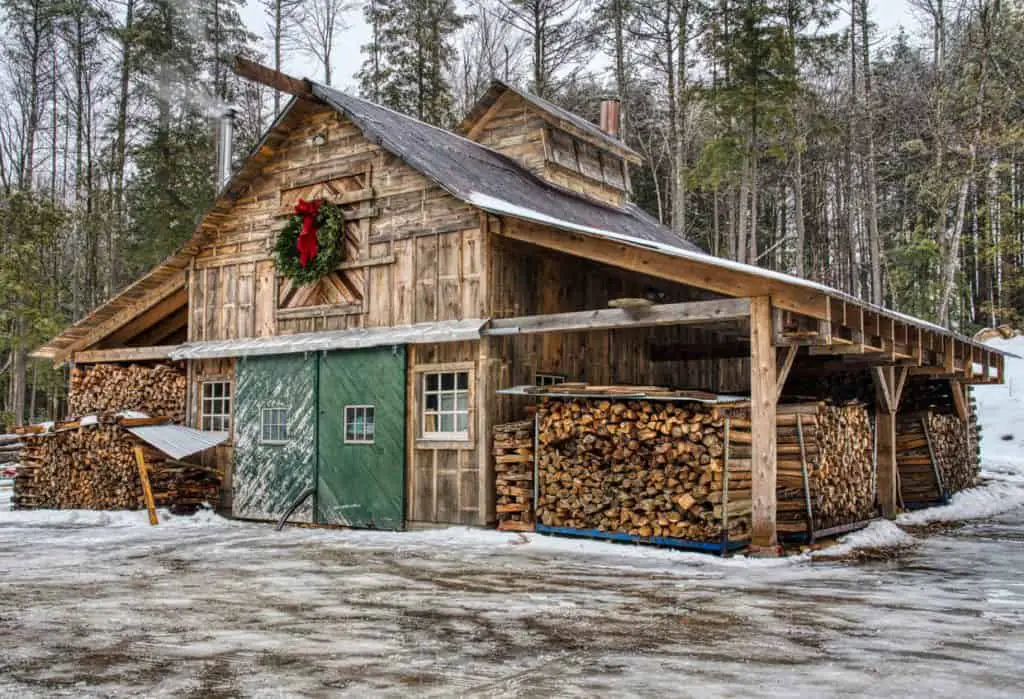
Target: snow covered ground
<point>99,604</point>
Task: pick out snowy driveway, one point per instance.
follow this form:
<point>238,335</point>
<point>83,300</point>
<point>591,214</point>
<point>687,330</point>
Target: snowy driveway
<point>97,604</point>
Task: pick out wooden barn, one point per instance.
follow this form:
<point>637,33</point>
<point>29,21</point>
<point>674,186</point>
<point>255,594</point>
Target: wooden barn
<point>477,263</point>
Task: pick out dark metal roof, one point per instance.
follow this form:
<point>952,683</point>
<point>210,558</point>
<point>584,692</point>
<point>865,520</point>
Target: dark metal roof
<point>465,168</point>
<point>500,87</point>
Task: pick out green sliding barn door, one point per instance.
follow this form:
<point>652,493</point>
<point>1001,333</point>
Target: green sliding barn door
<point>275,428</point>
<point>361,472</point>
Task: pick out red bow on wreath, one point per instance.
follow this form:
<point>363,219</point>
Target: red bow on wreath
<point>306,244</point>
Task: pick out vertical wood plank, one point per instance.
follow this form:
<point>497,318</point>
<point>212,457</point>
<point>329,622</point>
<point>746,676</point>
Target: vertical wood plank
<point>762,420</point>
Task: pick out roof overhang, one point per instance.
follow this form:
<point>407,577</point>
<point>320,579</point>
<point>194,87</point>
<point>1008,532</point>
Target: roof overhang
<point>419,333</point>
<point>723,276</point>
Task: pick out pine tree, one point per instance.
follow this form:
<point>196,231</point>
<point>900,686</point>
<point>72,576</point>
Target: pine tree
<point>411,56</point>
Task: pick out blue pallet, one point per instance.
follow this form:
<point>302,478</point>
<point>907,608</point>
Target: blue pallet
<point>720,548</point>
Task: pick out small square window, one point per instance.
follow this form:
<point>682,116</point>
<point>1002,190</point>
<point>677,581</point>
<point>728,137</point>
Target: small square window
<point>359,424</point>
<point>274,426</point>
<point>445,405</point>
<point>215,406</point>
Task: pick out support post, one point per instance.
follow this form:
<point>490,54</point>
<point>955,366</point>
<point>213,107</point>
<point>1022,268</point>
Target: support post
<point>763,396</point>
<point>147,491</point>
<point>885,411</point>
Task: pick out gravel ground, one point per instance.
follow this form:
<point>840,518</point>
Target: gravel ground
<point>100,605</point>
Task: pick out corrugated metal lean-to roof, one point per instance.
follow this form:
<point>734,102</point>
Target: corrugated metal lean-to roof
<point>178,441</point>
<point>419,333</point>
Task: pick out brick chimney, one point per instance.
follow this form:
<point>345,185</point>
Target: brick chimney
<point>610,116</point>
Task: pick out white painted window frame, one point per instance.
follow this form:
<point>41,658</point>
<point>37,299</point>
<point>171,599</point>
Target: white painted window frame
<point>354,411</point>
<point>263,425</point>
<point>206,404</point>
<point>451,436</point>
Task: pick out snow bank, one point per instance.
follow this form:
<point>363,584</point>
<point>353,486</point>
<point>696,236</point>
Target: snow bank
<point>882,534</point>
<point>96,518</point>
<point>1001,414</point>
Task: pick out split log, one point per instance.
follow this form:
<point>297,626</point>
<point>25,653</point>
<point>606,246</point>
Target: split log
<point>93,467</point>
<point>641,468</point>
<point>513,465</point>
<point>109,388</point>
<point>838,451</point>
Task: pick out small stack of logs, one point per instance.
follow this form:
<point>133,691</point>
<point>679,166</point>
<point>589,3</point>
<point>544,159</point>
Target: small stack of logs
<point>950,439</point>
<point>835,446</point>
<point>10,447</point>
<point>90,464</point>
<point>513,464</point>
<point>936,455</point>
<point>918,484</point>
<point>638,467</point>
<point>107,388</point>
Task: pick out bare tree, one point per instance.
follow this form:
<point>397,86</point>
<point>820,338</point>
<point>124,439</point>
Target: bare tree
<point>283,18</point>
<point>561,35</point>
<point>317,32</point>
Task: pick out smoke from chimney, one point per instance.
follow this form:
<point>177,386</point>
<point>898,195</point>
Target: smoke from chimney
<point>610,116</point>
<point>225,144</point>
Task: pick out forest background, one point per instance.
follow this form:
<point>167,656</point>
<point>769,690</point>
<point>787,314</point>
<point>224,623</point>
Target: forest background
<point>790,134</point>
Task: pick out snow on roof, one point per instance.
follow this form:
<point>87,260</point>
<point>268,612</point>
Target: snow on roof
<point>419,333</point>
<point>501,207</point>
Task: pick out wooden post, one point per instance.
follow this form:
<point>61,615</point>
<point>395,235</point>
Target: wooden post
<point>147,491</point>
<point>763,397</point>
<point>885,407</point>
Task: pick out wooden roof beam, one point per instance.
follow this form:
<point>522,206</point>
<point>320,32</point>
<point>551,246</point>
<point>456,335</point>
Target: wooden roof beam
<point>703,275</point>
<point>691,313</point>
<point>150,298</point>
<point>251,70</point>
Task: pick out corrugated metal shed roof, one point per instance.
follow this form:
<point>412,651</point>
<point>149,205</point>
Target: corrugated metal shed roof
<point>178,441</point>
<point>420,333</point>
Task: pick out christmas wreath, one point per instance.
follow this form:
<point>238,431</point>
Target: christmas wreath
<point>311,244</point>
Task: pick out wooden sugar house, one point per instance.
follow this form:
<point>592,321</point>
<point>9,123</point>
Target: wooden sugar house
<point>506,254</point>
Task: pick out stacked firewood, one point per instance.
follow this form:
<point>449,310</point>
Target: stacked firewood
<point>92,466</point>
<point>513,465</point>
<point>917,481</point>
<point>833,445</point>
<point>104,388</point>
<point>643,468</point>
<point>10,447</point>
<point>950,440</point>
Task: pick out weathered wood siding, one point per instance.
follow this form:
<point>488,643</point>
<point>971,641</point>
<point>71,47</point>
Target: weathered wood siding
<point>516,129</point>
<point>449,482</point>
<point>221,456</point>
<point>413,252</point>
<point>530,281</point>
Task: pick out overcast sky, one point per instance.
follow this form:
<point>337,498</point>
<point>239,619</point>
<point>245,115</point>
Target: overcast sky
<point>887,14</point>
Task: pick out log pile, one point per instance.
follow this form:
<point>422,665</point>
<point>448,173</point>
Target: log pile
<point>92,466</point>
<point>643,468</point>
<point>109,388</point>
<point>10,448</point>
<point>513,465</point>
<point>917,480</point>
<point>950,438</point>
<point>837,449</point>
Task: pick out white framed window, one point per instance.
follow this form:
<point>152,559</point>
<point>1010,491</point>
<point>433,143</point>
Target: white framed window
<point>273,426</point>
<point>360,425</point>
<point>548,379</point>
<point>445,405</point>
<point>215,407</point>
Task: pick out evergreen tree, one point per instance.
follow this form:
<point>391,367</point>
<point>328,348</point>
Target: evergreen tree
<point>411,56</point>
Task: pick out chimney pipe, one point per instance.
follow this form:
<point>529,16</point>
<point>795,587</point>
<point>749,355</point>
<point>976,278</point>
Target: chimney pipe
<point>610,116</point>
<point>225,143</point>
